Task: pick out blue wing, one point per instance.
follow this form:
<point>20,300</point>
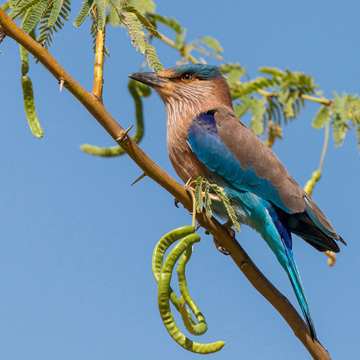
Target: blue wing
<point>207,146</point>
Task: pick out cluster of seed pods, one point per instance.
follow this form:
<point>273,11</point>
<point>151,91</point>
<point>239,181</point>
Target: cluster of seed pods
<point>162,271</point>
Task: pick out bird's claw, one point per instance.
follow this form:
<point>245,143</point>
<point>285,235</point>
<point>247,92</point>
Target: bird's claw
<point>229,228</point>
<point>176,202</point>
<point>220,248</point>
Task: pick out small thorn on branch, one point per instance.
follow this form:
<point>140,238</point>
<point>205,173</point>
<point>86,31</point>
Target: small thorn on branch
<point>124,135</point>
<point>61,82</point>
<point>138,179</point>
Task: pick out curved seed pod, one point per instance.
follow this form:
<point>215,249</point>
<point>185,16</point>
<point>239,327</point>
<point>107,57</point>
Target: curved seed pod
<point>30,107</point>
<point>158,255</point>
<point>164,306</point>
<point>136,92</point>
<point>189,322</point>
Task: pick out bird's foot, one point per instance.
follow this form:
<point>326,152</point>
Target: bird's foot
<point>220,248</point>
<point>231,231</point>
<point>176,202</point>
<point>229,228</point>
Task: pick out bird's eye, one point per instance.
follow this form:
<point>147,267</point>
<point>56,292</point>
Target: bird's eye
<point>187,77</point>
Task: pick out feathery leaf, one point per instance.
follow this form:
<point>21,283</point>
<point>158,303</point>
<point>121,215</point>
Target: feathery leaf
<point>144,21</point>
<point>35,15</point>
<point>144,6</point>
<point>22,7</point>
<point>322,117</point>
<point>207,199</point>
<point>212,43</point>
<point>101,14</point>
<point>198,194</point>
<point>226,202</point>
<point>84,12</point>
<point>258,109</point>
<point>135,31</point>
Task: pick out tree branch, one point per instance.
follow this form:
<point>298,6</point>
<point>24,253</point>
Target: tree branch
<point>237,253</point>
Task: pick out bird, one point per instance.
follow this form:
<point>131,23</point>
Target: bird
<point>205,138</point>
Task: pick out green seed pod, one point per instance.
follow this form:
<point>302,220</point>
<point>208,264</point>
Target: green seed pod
<point>164,306</point>
<point>143,89</point>
<point>29,105</point>
<point>189,322</point>
<point>159,251</point>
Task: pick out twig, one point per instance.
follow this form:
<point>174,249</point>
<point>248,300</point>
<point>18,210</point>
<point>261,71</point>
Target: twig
<point>99,64</point>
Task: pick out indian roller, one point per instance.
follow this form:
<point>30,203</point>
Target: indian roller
<point>205,138</point>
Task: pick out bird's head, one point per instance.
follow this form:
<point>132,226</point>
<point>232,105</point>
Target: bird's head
<point>193,88</point>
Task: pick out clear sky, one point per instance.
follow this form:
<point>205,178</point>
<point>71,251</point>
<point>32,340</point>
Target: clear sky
<point>77,240</point>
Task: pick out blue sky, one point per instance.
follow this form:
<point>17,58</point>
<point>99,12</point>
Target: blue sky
<point>77,240</point>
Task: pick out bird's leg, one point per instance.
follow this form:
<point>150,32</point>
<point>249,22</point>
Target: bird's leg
<point>219,247</point>
<point>231,231</point>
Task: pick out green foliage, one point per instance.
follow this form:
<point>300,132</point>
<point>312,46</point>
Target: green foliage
<point>138,38</point>
<point>144,6</point>
<point>101,14</point>
<point>213,188</point>
<point>52,21</point>
<point>84,12</point>
<point>258,109</point>
<point>172,23</point>
<point>49,14</point>
<point>275,97</point>
<point>144,21</point>
<point>34,15</point>
<point>281,94</point>
<point>322,117</point>
<point>207,201</point>
<point>6,6</point>
<point>344,109</point>
<point>226,202</point>
<point>198,194</point>
<point>212,44</point>
<point>233,72</point>
<point>20,7</point>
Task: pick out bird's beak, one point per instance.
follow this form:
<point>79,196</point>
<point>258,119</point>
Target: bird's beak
<point>149,78</point>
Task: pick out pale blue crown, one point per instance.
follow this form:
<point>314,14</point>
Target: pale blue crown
<point>201,70</point>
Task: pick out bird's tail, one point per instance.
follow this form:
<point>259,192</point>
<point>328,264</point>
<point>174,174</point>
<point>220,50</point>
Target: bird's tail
<point>296,283</point>
<point>282,249</point>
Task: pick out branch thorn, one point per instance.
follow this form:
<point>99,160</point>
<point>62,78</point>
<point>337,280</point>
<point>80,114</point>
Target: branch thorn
<point>62,82</point>
<point>124,135</point>
<point>138,179</point>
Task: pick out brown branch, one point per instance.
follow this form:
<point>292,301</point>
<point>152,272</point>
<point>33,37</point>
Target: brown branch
<point>237,253</point>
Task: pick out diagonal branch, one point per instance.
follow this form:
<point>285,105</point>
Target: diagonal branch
<point>237,253</point>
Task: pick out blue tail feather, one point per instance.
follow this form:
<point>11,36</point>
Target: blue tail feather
<point>272,224</point>
<point>291,269</point>
<point>296,283</point>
